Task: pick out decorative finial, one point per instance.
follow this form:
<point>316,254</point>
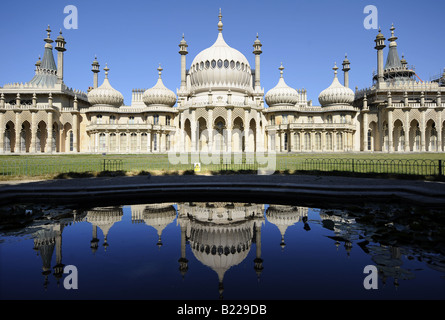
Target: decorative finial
<point>106,69</point>
<point>281,68</point>
<point>160,71</point>
<point>48,37</point>
<point>335,69</point>
<point>220,24</point>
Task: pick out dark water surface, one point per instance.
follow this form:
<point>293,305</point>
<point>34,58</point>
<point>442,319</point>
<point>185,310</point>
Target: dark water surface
<point>219,250</point>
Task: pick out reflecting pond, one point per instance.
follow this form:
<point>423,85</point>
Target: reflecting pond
<point>220,250</point>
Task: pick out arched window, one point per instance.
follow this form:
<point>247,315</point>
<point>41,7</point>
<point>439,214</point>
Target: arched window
<point>113,146</point>
<point>155,141</point>
<point>102,142</point>
<point>272,120</point>
<point>167,120</point>
<point>329,141</point>
<point>307,141</point>
<point>131,120</point>
<point>156,119</point>
<point>369,140</point>
<point>318,141</point>
<point>112,119</point>
<point>71,140</point>
<point>99,119</point>
<point>7,140</point>
<point>329,119</point>
<point>339,141</point>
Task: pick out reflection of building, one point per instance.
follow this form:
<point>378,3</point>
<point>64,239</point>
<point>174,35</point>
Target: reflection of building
<point>157,216</point>
<point>285,216</point>
<point>219,106</point>
<point>220,235</point>
<point>104,218</point>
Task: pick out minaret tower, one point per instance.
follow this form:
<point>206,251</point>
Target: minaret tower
<point>379,45</point>
<point>60,47</point>
<point>95,69</point>
<point>346,69</point>
<point>183,52</point>
<point>257,51</point>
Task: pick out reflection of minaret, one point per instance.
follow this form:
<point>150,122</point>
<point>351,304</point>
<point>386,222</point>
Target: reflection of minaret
<point>155,215</point>
<point>58,268</point>
<point>45,241</point>
<point>104,218</point>
<point>94,240</point>
<point>285,216</point>
<point>220,234</point>
<point>258,261</point>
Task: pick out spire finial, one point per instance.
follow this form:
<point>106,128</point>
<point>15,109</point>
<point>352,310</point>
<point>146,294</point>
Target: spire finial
<point>106,69</point>
<point>160,71</point>
<point>48,37</point>
<point>281,68</point>
<point>220,24</point>
<point>335,69</point>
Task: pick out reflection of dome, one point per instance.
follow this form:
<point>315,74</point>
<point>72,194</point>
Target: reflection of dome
<point>221,247</point>
<point>220,66</point>
<point>157,216</point>
<point>281,93</point>
<point>284,216</point>
<point>104,218</point>
<point>336,93</point>
<point>106,94</point>
<point>159,94</point>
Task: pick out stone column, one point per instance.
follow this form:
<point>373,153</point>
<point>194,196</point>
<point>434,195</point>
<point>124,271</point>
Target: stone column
<point>193,129</point>
<point>210,130</point>
<point>49,135</point>
<point>390,130</point>
<point>2,131</point>
<point>75,132</point>
<point>290,140</point>
<point>246,130</point>
<point>18,129</point>
<point>32,148</point>
<point>406,128</point>
<point>422,129</point>
<point>229,130</point>
<point>365,130</point>
<point>149,141</point>
<point>438,129</point>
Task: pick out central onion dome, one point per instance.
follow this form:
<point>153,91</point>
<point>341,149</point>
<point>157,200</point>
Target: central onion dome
<point>220,66</point>
<point>106,94</point>
<point>159,94</point>
<point>336,93</point>
<point>281,93</point>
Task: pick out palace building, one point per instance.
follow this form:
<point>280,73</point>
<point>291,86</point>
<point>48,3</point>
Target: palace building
<point>220,106</point>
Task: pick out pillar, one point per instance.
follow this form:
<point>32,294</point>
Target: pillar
<point>210,130</point>
<point>18,129</point>
<point>229,130</point>
<point>390,130</point>
<point>2,131</point>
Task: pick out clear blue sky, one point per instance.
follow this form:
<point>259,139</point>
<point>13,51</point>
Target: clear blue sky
<point>134,36</point>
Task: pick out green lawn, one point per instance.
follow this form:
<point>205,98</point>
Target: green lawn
<point>22,166</point>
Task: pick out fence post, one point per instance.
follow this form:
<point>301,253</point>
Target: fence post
<point>352,165</point>
<point>440,167</point>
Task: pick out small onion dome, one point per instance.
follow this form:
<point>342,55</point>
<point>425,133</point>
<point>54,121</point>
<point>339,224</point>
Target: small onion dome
<point>380,35</point>
<point>159,94</point>
<point>281,93</point>
<point>106,94</point>
<point>336,93</point>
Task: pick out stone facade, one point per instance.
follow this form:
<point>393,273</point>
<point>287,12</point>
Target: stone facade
<point>221,107</point>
